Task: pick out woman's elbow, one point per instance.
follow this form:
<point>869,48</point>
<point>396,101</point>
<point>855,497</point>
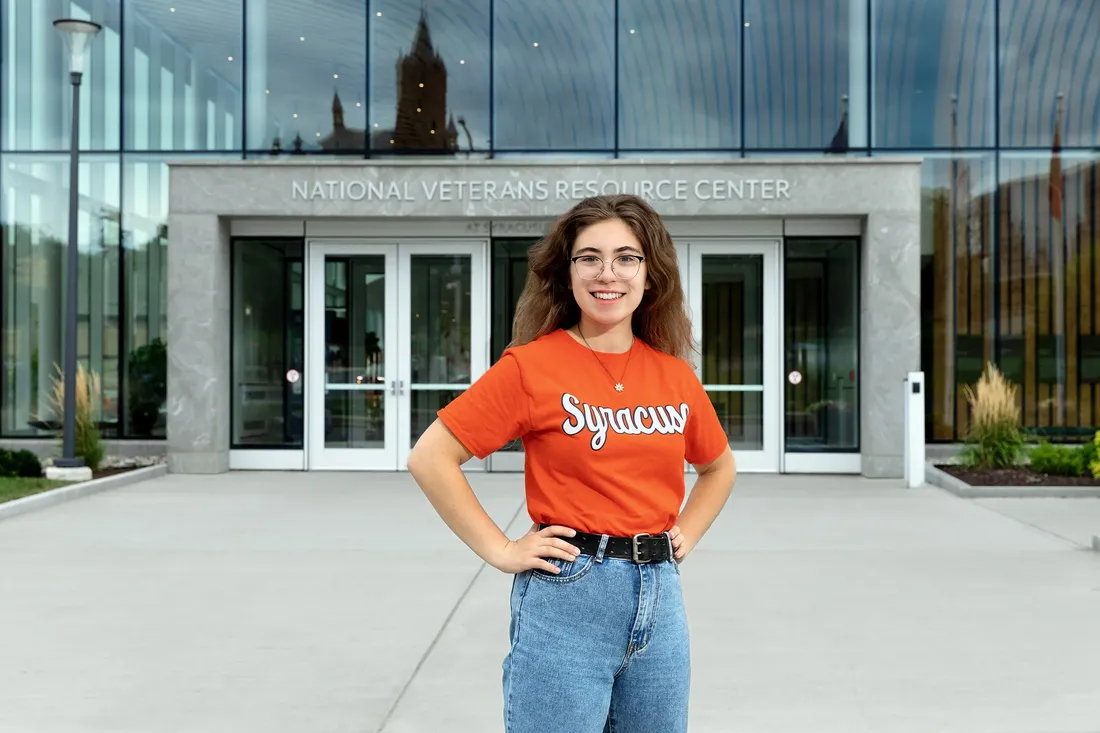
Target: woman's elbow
<point>436,447</point>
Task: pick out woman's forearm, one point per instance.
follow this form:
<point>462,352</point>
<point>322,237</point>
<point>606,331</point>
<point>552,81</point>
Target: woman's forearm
<point>708,496</point>
<point>446,487</point>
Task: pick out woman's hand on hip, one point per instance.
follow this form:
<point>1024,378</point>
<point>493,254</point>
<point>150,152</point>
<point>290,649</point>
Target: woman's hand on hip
<point>680,545</point>
<point>527,552</point>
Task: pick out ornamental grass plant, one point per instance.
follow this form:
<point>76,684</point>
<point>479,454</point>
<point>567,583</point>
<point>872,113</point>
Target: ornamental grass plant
<point>994,439</point>
<point>86,443</point>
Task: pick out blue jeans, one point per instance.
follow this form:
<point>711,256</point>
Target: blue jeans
<point>601,647</point>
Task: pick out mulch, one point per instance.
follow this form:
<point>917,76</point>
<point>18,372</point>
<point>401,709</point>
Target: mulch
<point>1013,477</point>
<point>105,472</point>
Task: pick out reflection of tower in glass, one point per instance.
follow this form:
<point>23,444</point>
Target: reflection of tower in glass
<point>421,100</point>
<point>342,137</point>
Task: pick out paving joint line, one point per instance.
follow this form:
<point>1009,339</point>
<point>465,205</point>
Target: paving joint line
<point>1073,543</point>
<point>439,634</point>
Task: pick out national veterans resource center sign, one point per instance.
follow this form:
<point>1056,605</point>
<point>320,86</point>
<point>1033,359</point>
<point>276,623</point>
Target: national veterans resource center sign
<point>670,189</point>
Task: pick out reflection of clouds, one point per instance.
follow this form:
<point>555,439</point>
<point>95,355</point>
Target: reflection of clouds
<point>679,74</point>
<point>925,52</point>
<point>560,94</point>
<point>1049,46</point>
<point>796,57</point>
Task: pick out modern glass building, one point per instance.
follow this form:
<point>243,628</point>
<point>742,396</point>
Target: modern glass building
<point>303,223</point>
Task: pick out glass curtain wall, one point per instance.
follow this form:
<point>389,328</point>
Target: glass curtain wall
<point>1001,98</point>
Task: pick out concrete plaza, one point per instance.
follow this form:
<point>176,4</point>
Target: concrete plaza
<point>340,603</point>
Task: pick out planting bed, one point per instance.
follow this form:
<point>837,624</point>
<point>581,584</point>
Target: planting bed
<point>1021,476</point>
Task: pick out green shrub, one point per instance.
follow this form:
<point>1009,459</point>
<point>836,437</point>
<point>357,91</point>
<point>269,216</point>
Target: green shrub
<point>1094,459</point>
<point>147,388</point>
<point>19,464</point>
<point>1059,460</point>
<point>994,439</point>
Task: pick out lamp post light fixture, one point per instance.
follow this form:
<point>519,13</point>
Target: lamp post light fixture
<point>77,35</point>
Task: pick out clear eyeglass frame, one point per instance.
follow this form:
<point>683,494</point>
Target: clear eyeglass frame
<point>587,266</point>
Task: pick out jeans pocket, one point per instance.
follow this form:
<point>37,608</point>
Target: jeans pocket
<point>570,570</point>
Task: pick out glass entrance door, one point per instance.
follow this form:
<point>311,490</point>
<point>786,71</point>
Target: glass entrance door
<point>821,350</point>
<point>733,291</point>
<point>396,331</point>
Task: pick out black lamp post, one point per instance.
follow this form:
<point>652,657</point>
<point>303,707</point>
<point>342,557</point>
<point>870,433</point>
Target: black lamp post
<point>77,34</point>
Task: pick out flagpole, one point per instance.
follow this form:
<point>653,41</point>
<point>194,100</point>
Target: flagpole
<point>1058,218</point>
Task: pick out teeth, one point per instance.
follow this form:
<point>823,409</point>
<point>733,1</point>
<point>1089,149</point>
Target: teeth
<point>608,296</point>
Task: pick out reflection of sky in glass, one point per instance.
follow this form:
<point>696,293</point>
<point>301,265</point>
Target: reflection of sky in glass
<point>679,71</point>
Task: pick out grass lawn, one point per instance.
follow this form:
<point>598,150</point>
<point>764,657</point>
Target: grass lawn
<point>17,488</point>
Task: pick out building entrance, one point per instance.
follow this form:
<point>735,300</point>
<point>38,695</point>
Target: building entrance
<point>396,331</point>
<point>305,345</point>
<point>344,350</point>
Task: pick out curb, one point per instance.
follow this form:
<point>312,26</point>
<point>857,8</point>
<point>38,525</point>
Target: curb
<point>46,499</point>
<point>949,483</point>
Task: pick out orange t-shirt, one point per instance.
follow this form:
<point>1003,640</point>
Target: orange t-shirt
<point>597,460</point>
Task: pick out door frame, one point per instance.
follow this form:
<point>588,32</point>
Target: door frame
<point>689,252</point>
<point>396,349</point>
<point>477,250</point>
<point>319,458</point>
<point>818,462</point>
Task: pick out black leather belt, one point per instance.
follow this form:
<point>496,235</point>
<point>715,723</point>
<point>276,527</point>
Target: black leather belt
<point>640,549</point>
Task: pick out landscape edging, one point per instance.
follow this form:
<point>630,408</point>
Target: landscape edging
<point>53,497</point>
<point>958,487</point>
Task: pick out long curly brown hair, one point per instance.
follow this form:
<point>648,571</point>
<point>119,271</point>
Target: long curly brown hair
<point>547,302</point>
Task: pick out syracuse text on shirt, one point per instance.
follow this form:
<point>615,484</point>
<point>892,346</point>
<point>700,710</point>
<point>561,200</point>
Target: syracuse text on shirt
<point>665,419</point>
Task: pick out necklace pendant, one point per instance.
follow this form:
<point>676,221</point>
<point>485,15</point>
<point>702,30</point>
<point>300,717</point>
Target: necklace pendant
<point>619,387</point>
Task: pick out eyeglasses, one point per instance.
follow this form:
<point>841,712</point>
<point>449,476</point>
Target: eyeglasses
<point>624,267</point>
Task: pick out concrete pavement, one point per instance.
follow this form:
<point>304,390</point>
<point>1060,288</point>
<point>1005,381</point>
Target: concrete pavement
<point>339,602</point>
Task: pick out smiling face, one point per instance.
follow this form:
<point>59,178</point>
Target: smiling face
<point>606,298</point>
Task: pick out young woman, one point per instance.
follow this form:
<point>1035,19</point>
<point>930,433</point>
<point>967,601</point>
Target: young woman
<point>597,384</point>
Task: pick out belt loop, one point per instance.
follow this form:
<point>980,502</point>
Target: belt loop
<point>603,548</point>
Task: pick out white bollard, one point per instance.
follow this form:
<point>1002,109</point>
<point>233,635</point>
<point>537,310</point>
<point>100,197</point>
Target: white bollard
<point>914,429</point>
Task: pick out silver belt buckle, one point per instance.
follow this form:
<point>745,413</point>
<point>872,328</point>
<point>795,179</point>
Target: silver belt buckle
<point>634,549</point>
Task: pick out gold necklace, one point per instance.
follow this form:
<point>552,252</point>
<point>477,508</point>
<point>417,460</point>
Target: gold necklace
<point>619,384</point>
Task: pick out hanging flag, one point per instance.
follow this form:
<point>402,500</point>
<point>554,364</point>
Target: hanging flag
<point>839,144</point>
<point>1054,186</point>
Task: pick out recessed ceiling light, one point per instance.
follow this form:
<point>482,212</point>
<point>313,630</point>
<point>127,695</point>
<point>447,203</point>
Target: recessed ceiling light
<point>376,124</point>
<point>421,85</point>
<point>171,10</point>
<point>267,91</point>
<point>230,58</point>
<point>433,132</point>
<point>335,76</point>
<point>358,104</point>
<point>536,44</point>
<point>631,31</point>
<point>295,115</point>
<point>318,134</point>
<point>417,109</point>
<point>746,24</point>
<point>391,142</point>
<point>462,61</point>
<point>301,38</point>
<point>379,13</point>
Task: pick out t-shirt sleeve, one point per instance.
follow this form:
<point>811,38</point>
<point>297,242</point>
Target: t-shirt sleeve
<point>704,437</point>
<point>494,411</point>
